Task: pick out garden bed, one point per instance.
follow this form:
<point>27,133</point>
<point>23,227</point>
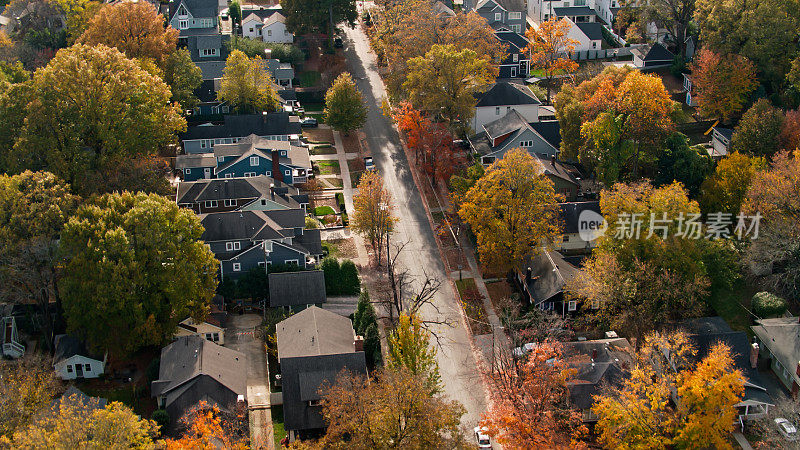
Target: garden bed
<point>499,293</point>
<point>341,248</point>
<point>472,303</point>
<point>351,142</point>
<point>322,150</point>
<point>319,135</point>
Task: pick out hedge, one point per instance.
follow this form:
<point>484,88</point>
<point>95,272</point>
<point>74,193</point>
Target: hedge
<point>161,418</point>
<point>340,279</point>
<point>340,201</point>
<point>345,219</point>
<point>323,211</point>
<point>366,325</point>
<point>767,304</point>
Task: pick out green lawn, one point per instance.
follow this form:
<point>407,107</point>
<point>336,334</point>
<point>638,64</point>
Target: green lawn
<point>319,116</point>
<point>323,150</point>
<point>323,211</point>
<point>311,106</point>
<point>539,73</point>
<point>132,396</point>
<point>308,79</point>
<point>277,424</point>
<point>327,167</point>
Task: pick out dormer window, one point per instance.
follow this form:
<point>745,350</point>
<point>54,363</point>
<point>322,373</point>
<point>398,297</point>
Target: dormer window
<point>182,11</point>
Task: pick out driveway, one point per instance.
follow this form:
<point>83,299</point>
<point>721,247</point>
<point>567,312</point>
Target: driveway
<point>457,364</point>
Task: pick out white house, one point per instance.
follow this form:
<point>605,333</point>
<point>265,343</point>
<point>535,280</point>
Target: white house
<point>720,142</point>
<point>501,98</point>
<point>269,29</point>
<point>205,330</point>
<point>589,35</point>
<point>72,360</point>
<point>578,10</point>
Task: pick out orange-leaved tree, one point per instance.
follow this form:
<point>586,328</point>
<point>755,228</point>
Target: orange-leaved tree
<point>206,429</point>
<point>550,46</point>
<point>722,83</point>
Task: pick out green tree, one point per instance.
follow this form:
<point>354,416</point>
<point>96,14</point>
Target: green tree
<point>246,85</point>
<point>725,189</point>
<point>183,77</point>
<point>345,110</point>
<point>315,16</point>
<point>365,324</point>
<point>409,348</point>
<point>512,210</point>
<point>444,83</point>
<point>235,12</point>
<point>134,262</point>
<point>759,130</point>
<point>91,111</point>
<point>27,387</point>
<point>680,162</point>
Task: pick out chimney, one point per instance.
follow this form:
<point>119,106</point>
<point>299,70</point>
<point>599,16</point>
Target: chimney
<point>528,274</point>
<point>264,117</point>
<point>594,354</point>
<point>358,344</point>
<point>754,355</point>
<point>553,160</point>
<point>276,167</point>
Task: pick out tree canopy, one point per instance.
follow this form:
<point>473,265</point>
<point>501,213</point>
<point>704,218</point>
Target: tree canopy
<point>409,348</point>
<point>722,83</point>
<point>344,107</point>
<point>680,162</point>
<point>549,44</point>
<point>134,262</point>
<point>246,85</point>
<point>758,133</point>
<point>318,16</point>
<point>183,77</point>
<point>725,189</point>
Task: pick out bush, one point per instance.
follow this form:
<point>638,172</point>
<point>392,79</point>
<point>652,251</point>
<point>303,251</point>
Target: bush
<point>286,53</point>
<point>365,324</point>
<point>161,418</point>
<point>152,370</point>
<point>323,211</point>
<point>340,279</point>
<point>331,268</point>
<point>340,201</point>
<point>538,91</point>
<point>767,304</point>
<point>345,219</point>
<point>311,223</point>
<point>351,285</point>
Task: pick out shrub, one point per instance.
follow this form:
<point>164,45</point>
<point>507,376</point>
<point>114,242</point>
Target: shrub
<point>340,279</point>
<point>345,219</point>
<point>767,304</point>
<point>161,418</point>
<point>331,268</point>
<point>351,285</point>
<point>311,223</point>
<point>152,370</point>
<point>323,211</point>
<point>365,324</point>
<point>340,201</point>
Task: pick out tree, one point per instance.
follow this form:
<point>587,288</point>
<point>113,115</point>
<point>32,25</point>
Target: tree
<point>76,425</point>
<point>395,410</point>
<point>722,83</point>
<point>134,262</point>
<point>134,28</point>
<point>314,16</point>
<point>344,107</point>
<point>444,83</point>
<point>27,387</point>
<point>207,427</point>
<point>235,12</point>
<point>372,215</point>
<point>789,139</point>
<point>365,324</point>
<point>725,189</point>
<point>431,142</point>
<point>246,85</point>
<point>409,349</point>
<point>35,207</point>
<point>758,131</point>
<point>183,77</point>
<point>92,109</point>
<point>549,44</point>
<point>530,401</point>
<point>679,162</point>
<point>460,184</point>
<point>512,210</point>
<point>674,15</point>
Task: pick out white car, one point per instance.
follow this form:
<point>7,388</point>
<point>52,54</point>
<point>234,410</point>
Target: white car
<point>786,429</point>
<point>482,438</point>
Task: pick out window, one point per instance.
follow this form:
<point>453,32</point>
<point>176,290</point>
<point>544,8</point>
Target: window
<point>580,3</point>
<point>183,24</point>
<point>231,246</point>
<point>516,28</point>
<point>211,204</point>
<point>496,110</point>
<point>230,202</point>
<point>216,337</point>
<point>69,368</point>
<point>565,238</point>
<point>287,172</point>
<point>498,16</point>
<point>182,12</point>
<point>508,109</point>
<point>269,32</point>
<point>513,72</point>
<point>269,173</point>
<point>261,264</point>
<point>572,305</point>
<point>594,44</point>
<point>263,202</point>
<point>515,15</point>
<point>249,174</point>
<point>290,261</point>
<point>254,160</point>
<point>208,52</point>
<point>202,143</point>
<point>252,30</point>
<point>187,171</point>
<point>526,143</point>
<point>228,175</point>
<point>209,337</point>
<point>87,367</point>
<point>237,267</point>
<point>314,402</point>
<point>225,110</point>
<point>221,158</point>
<point>515,57</point>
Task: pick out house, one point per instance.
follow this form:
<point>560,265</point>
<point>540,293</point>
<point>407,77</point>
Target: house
<point>303,288</point>
<point>282,73</point>
<point>72,360</point>
<point>779,343</point>
<point>517,62</point>
<point>501,98</point>
<point>254,18</point>
<point>600,11</point>
<point>314,346</point>
<point>193,369</point>
<point>270,29</point>
<point>206,47</point>
<point>245,240</point>
<point>209,331</point>
<point>508,14</point>
<point>542,283</point>
<point>251,157</point>
<point>720,142</point>
<point>208,104</point>
<point>563,178</point>
<point>213,69</point>
<point>570,215</point>
<point>12,343</point>
<point>275,126</point>
<point>652,57</point>
<point>259,193</point>
<point>599,364</point>
<point>589,35</point>
<point>704,333</point>
<point>194,17</point>
<point>76,397</point>
<point>510,131</point>
<point>689,89</point>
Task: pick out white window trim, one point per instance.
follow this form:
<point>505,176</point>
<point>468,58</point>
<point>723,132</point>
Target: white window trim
<point>237,267</point>
<point>290,261</point>
<point>253,161</point>
<point>498,16</point>
<point>230,202</point>
<point>187,171</point>
<point>572,305</point>
<point>211,204</point>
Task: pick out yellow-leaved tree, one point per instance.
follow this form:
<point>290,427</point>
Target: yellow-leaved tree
<point>372,215</point>
<point>247,85</point>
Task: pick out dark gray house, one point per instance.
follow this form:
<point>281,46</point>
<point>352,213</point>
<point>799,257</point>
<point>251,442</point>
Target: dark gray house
<point>517,63</point>
<point>501,14</point>
<point>303,288</point>
<point>543,280</point>
<point>652,57</point>
<point>278,126</point>
<point>259,193</point>
<point>510,131</point>
<point>314,346</point>
<point>194,369</point>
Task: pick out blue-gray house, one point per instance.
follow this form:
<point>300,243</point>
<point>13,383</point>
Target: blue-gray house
<point>278,126</point>
<point>243,240</point>
<point>193,17</point>
<point>508,14</point>
<point>517,62</point>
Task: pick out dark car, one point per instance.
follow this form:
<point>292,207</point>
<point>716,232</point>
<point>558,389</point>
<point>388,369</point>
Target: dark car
<point>308,122</point>
<point>338,42</point>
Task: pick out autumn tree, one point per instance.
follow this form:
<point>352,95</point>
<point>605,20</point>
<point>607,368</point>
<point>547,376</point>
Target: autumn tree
<point>461,183</point>
<point>27,387</point>
<point>758,132</point>
<point>431,142</point>
<point>394,410</point>
<point>409,348</point>
<point>512,210</point>
<point>530,401</point>
<point>134,262</point>
<point>550,48</point>
<point>345,110</point>
<point>725,189</point>
<point>314,16</point>
<point>206,427</point>
<point>444,82</point>
<point>183,77</point>
<point>134,28</point>
<point>722,83</point>
<point>789,139</point>
<point>92,110</point>
<point>246,85</point>
<point>372,215</point>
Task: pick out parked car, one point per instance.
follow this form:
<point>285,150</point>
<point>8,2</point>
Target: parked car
<point>338,42</point>
<point>786,429</point>
<point>482,438</point>
<point>308,122</point>
<point>368,164</point>
<point>519,352</point>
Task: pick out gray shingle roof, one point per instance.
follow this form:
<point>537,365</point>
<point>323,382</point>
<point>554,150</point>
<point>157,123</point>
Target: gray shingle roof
<point>549,274</point>
<point>598,363</point>
<point>191,161</point>
<point>653,53</point>
<point>297,288</point>
<point>314,332</point>
<point>509,123</point>
<point>504,94</point>
<point>571,11</point>
<point>592,30</point>
<point>550,130</point>
<point>727,133</point>
<point>253,225</point>
<point>67,346</point>
<point>556,169</point>
<point>240,188</point>
<point>234,125</point>
<point>571,211</point>
<point>197,8</point>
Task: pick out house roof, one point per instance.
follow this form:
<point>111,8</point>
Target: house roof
<point>553,168</point>
<point>599,363</point>
<point>549,274</point>
<point>260,12</point>
<point>441,9</point>
<point>506,94</point>
<point>192,161</point>
<point>571,211</point>
<point>511,122</point>
<point>727,133</point>
<point>782,336</point>
<point>235,125</point>
<point>571,11</point>
<point>274,18</point>
<point>206,92</point>
<point>287,94</point>
<point>192,356</point>
<point>508,5</point>
<point>297,288</point>
<point>310,241</point>
<point>77,397</point>
<point>197,8</point>
<point>314,332</point>
<point>67,346</point>
<point>253,225</point>
<point>653,53</point>
<point>550,130</point>
<point>592,30</point>
<point>211,70</point>
<point>517,40</point>
<point>240,188</point>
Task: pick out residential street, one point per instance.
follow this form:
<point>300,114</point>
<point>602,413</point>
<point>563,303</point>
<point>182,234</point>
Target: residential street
<point>457,364</point>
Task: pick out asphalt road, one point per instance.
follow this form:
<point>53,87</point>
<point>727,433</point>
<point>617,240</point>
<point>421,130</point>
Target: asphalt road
<point>457,364</point>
